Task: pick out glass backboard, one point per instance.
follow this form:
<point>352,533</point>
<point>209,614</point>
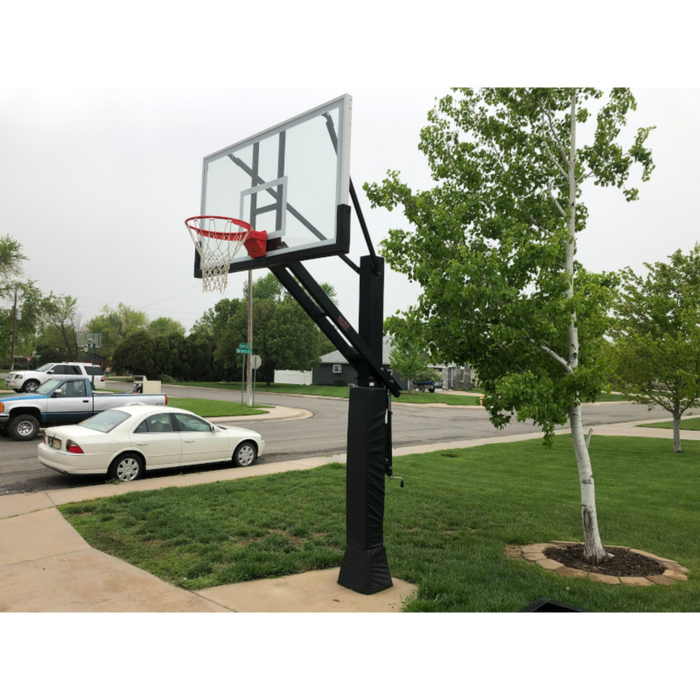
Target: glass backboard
<point>292,181</point>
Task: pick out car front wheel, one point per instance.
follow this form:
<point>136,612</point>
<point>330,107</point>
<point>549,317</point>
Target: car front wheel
<point>30,386</point>
<point>126,467</point>
<point>244,455</point>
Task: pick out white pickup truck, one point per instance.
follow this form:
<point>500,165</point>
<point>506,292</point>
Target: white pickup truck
<point>60,402</point>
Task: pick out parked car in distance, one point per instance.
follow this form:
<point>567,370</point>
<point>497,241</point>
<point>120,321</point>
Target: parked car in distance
<point>28,381</point>
<point>428,384</point>
<point>125,442</point>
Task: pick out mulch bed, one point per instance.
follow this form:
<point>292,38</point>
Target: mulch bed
<point>623,563</point>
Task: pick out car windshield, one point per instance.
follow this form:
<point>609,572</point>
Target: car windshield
<point>106,421</point>
<point>48,386</point>
<point>44,368</point>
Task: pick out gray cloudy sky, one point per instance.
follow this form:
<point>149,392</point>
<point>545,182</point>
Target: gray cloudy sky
<point>97,183</point>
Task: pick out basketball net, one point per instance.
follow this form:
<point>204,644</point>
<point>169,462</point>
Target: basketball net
<point>218,240</point>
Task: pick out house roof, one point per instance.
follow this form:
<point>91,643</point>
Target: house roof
<point>336,358</point>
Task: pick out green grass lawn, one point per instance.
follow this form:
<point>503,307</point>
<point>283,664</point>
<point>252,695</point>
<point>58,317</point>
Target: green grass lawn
<point>446,531</point>
<point>212,409</point>
<point>687,424</point>
<point>611,397</point>
<point>341,392</point>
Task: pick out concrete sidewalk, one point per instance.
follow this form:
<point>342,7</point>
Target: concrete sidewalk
<point>46,566</point>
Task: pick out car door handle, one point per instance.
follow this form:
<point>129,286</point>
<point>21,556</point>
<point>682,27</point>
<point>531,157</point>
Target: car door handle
<point>142,443</point>
<point>85,401</point>
<point>190,440</point>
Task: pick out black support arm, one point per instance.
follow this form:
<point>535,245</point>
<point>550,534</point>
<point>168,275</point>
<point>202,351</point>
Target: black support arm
<point>311,297</point>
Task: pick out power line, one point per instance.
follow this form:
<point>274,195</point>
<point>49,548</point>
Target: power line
<point>101,301</point>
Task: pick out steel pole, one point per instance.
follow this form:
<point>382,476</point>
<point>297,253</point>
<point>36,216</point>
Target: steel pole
<point>14,321</point>
<point>249,377</point>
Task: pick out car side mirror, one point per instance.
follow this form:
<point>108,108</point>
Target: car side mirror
<point>50,371</point>
<point>58,392</point>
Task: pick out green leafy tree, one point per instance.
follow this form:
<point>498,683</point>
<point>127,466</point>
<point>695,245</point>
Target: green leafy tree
<point>135,354</point>
<point>11,259</point>
<point>175,356</point>
<point>657,337</point>
<point>407,356</point>
<point>493,249</point>
<point>32,305</point>
<point>267,287</point>
<point>161,358</point>
<point>116,324</point>
<point>49,345</point>
<point>294,341</point>
<point>64,317</point>
<point>164,326</point>
<point>198,357</point>
<point>283,335</point>
<point>215,321</point>
<point>33,318</point>
<point>236,332</point>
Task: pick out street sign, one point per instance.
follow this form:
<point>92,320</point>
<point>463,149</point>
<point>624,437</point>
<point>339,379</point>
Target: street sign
<point>243,345</point>
<point>244,351</point>
<point>256,361</point>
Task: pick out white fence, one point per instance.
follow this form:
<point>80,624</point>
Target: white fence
<point>292,376</point>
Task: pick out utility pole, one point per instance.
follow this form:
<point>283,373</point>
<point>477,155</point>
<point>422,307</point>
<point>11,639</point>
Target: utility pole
<point>14,322</point>
<point>249,368</point>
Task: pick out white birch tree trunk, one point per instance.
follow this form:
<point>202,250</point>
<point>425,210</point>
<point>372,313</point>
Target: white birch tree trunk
<point>593,548</point>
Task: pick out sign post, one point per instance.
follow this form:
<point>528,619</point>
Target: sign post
<point>243,349</point>
<point>256,361</point>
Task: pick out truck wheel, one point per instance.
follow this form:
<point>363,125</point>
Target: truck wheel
<point>432,390</point>
<point>24,427</point>
<point>30,386</point>
<point>421,388</point>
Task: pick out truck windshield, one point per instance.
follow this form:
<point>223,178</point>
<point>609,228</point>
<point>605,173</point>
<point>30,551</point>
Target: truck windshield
<point>48,386</point>
<point>106,421</point>
<point>45,367</point>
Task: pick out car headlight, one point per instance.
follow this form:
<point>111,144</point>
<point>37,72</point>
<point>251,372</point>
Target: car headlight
<point>18,376</point>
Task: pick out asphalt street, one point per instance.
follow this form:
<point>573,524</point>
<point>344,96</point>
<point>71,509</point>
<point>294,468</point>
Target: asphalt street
<point>325,433</point>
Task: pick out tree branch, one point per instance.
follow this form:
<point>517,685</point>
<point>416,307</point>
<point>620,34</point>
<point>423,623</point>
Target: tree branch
<point>548,115</point>
<point>554,199</point>
<point>553,355</point>
<point>554,160</point>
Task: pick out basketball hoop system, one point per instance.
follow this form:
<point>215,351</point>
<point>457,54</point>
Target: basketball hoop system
<point>218,240</point>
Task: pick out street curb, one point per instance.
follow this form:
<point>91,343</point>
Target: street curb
<point>279,413</point>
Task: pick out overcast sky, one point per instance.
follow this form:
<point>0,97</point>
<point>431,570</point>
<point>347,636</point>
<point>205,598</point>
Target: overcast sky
<point>97,184</point>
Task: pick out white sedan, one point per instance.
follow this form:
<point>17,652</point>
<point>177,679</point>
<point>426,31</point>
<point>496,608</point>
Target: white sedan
<point>122,443</point>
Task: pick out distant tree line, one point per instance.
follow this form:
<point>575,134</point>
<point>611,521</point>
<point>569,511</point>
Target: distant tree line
<point>283,336</point>
<point>47,327</point>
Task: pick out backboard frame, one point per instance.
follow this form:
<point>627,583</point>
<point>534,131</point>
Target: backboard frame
<point>85,338</point>
<point>338,245</point>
